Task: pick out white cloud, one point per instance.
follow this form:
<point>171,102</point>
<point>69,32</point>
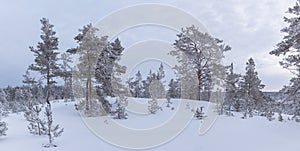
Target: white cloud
<point>251,27</point>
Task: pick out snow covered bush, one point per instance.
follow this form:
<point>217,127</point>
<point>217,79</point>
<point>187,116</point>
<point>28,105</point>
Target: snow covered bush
<point>199,114</point>
<point>121,102</point>
<point>153,106</point>
<point>3,128</point>
<point>3,125</point>
<point>270,115</point>
<point>280,118</point>
<point>156,90</point>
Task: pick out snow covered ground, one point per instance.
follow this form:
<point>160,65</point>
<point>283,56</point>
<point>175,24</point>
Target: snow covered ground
<point>227,134</point>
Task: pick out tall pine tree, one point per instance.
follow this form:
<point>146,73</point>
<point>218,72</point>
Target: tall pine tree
<point>105,68</point>
<point>200,50</point>
<point>45,63</point>
<point>250,90</point>
<point>232,100</point>
<point>88,49</point>
<point>289,47</point>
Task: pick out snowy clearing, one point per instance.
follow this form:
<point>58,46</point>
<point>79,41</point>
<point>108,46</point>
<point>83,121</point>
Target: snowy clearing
<point>228,133</point>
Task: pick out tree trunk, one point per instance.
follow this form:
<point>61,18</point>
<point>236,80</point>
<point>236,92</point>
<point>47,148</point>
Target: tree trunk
<point>199,74</point>
<point>49,105</point>
<point>65,89</point>
<point>90,91</point>
<point>48,88</point>
<point>87,95</point>
<point>39,128</point>
<point>49,125</point>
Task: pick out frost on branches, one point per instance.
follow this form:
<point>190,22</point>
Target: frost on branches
<point>119,91</point>
<point>3,125</point>
<point>232,100</point>
<point>289,47</point>
<point>52,131</point>
<point>121,102</point>
<point>202,53</point>
<point>88,49</point>
<point>3,128</point>
<point>37,125</point>
<point>250,90</point>
<point>157,90</point>
<point>107,73</point>
<point>45,63</point>
<point>293,99</point>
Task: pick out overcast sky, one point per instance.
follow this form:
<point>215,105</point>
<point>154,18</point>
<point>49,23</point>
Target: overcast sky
<point>250,27</point>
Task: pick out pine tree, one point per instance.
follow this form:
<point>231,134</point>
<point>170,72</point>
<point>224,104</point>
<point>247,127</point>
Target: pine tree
<point>269,113</point>
<point>118,88</point>
<point>10,98</point>
<point>4,103</point>
<point>289,48</point>
<point>88,49</point>
<point>121,102</point>
<point>146,83</point>
<point>105,64</point>
<point>172,91</point>
<point>46,56</point>
<point>250,90</point>
<point>160,73</point>
<point>108,71</point>
<point>135,85</point>
<point>19,102</point>
<point>138,85</point>
<point>232,100</point>
<point>157,90</point>
<point>293,98</point>
<point>46,64</point>
<point>202,51</point>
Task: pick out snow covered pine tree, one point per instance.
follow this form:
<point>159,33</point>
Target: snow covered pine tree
<point>232,100</point>
<point>107,68</point>
<point>136,85</point>
<point>202,52</point>
<point>157,90</point>
<point>250,90</point>
<point>46,64</point>
<point>88,49</point>
<point>289,47</point>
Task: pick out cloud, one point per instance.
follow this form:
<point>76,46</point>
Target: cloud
<point>251,27</point>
